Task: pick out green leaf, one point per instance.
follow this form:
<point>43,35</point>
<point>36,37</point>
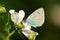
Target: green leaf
<point>3,34</point>
<point>2,24</point>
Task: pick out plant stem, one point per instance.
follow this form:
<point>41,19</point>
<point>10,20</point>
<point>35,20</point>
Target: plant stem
<point>9,35</point>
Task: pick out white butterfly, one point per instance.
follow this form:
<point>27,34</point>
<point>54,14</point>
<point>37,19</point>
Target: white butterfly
<point>36,18</point>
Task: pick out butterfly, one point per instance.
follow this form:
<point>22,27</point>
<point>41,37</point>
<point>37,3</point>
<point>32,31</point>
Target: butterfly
<point>37,18</point>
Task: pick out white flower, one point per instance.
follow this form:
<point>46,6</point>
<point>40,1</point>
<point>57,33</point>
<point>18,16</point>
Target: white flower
<point>27,31</point>
<point>31,35</point>
<point>17,17</point>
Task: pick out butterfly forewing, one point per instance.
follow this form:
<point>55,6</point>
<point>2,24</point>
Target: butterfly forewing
<point>36,18</point>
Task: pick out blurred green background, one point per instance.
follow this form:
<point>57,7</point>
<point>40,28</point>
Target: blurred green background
<point>47,31</point>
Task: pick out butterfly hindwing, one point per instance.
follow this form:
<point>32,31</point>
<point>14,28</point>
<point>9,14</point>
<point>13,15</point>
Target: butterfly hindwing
<point>36,18</point>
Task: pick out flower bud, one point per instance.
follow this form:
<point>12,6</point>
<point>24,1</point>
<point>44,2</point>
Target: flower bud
<point>20,26</point>
<point>2,9</point>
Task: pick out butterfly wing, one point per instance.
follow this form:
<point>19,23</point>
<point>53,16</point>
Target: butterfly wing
<point>36,18</point>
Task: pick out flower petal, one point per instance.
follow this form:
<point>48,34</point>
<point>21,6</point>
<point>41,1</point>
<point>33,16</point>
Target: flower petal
<point>11,11</point>
<point>14,17</point>
<point>28,32</point>
<point>21,13</point>
<point>20,16</point>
